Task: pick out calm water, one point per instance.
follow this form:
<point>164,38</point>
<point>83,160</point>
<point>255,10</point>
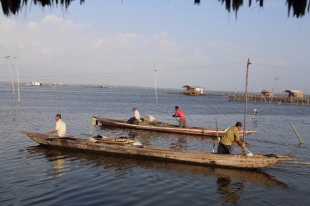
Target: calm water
<point>34,175</point>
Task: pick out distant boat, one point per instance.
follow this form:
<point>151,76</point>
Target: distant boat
<point>36,83</point>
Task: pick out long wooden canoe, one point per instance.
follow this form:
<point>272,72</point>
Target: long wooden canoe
<point>113,161</point>
<point>164,127</point>
<point>164,154</point>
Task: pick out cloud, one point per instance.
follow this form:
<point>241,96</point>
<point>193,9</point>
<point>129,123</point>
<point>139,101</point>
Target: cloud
<point>197,52</point>
<point>57,41</point>
<point>282,62</point>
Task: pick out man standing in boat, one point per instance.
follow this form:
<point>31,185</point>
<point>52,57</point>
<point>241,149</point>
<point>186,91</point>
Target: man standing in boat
<point>136,116</point>
<point>60,130</point>
<point>182,118</point>
<point>232,134</point>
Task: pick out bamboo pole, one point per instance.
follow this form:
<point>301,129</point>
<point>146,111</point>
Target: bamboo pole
<point>13,90</point>
<point>274,86</point>
<point>301,142</point>
<point>217,135</point>
<point>246,100</point>
<point>156,89</point>
<point>260,91</point>
<point>18,91</point>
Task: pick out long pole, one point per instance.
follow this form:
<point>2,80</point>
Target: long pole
<point>18,92</point>
<point>156,89</point>
<point>301,142</point>
<point>13,90</point>
<point>274,86</point>
<point>217,135</point>
<point>260,91</point>
<point>246,100</point>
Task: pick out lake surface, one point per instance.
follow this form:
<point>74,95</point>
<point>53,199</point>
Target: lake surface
<point>34,175</point>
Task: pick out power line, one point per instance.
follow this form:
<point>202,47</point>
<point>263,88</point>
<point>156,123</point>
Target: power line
<point>202,67</point>
<point>278,67</point>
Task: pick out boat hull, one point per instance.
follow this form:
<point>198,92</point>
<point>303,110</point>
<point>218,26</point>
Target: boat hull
<point>171,128</point>
<point>163,154</point>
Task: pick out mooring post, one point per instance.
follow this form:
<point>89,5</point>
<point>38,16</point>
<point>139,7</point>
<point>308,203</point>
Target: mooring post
<point>301,142</point>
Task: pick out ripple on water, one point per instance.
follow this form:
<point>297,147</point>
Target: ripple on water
<point>34,175</point>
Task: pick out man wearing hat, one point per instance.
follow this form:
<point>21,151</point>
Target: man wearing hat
<point>232,134</point>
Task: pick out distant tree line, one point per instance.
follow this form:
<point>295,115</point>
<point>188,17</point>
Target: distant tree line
<point>12,7</point>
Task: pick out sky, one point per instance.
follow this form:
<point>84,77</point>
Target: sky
<point>123,42</point>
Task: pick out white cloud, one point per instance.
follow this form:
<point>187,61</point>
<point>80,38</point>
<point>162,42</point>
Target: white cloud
<point>57,40</point>
<point>197,52</point>
<point>7,25</point>
<point>282,62</point>
<point>132,35</point>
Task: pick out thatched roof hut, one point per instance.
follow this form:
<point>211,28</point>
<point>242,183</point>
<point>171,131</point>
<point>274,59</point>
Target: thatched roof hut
<point>299,7</point>
<point>267,93</point>
<point>193,90</point>
<point>295,93</point>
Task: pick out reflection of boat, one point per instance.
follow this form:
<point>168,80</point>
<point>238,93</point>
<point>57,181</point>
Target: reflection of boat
<point>164,154</point>
<point>164,127</point>
<point>123,163</point>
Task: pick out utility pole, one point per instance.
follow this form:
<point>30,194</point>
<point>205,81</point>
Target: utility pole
<point>13,90</point>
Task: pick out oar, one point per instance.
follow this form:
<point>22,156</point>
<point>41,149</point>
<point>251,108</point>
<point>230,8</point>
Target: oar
<point>249,152</point>
<point>297,163</point>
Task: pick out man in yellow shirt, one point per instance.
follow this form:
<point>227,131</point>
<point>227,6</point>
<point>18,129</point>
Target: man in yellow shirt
<point>232,134</point>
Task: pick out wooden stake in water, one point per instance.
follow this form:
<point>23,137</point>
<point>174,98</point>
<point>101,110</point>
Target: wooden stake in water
<point>217,135</point>
<point>246,100</point>
<point>156,89</point>
<point>18,92</point>
<point>8,58</point>
<point>301,142</point>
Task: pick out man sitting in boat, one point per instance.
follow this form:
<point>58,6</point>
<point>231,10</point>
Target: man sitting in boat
<point>182,118</point>
<point>232,134</point>
<point>60,130</point>
<point>136,116</point>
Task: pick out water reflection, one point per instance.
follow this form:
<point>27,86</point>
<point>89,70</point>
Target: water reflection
<point>58,166</point>
<point>229,191</point>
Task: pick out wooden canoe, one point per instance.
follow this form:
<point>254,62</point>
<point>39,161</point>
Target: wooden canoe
<point>164,127</point>
<point>164,154</point>
<point>116,162</point>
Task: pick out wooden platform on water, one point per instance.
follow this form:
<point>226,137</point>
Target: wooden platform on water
<point>275,99</point>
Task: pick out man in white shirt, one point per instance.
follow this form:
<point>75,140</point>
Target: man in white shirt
<point>136,116</point>
<point>60,130</point>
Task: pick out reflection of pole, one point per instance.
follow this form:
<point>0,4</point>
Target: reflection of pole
<point>18,92</point>
<point>246,100</point>
<point>274,86</point>
<point>156,89</point>
<point>8,60</point>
